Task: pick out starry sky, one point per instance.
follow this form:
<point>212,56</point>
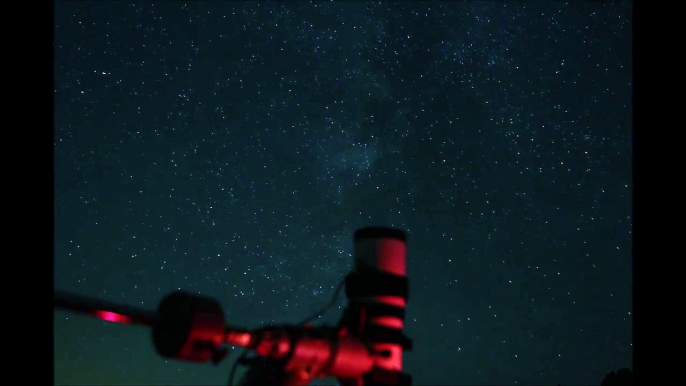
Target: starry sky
<point>232,148</point>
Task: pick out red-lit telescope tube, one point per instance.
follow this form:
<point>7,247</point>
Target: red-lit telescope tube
<point>104,310</point>
<point>377,291</point>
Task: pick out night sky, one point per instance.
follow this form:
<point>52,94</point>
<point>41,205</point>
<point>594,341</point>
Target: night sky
<point>232,149</point>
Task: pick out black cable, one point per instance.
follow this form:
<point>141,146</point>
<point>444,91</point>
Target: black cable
<point>327,307</point>
<point>316,315</point>
<point>234,367</point>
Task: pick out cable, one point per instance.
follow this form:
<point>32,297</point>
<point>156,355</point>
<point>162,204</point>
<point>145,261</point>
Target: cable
<point>234,367</point>
<point>327,307</point>
<point>316,315</point>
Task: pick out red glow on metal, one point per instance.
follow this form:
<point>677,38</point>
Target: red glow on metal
<point>239,338</point>
<point>109,316</point>
<point>391,256</point>
<point>388,321</point>
<point>395,361</point>
<point>396,301</point>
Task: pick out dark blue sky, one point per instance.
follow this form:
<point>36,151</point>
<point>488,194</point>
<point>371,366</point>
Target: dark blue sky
<point>232,148</point>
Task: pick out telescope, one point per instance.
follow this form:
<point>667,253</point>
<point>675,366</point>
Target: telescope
<point>365,347</point>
